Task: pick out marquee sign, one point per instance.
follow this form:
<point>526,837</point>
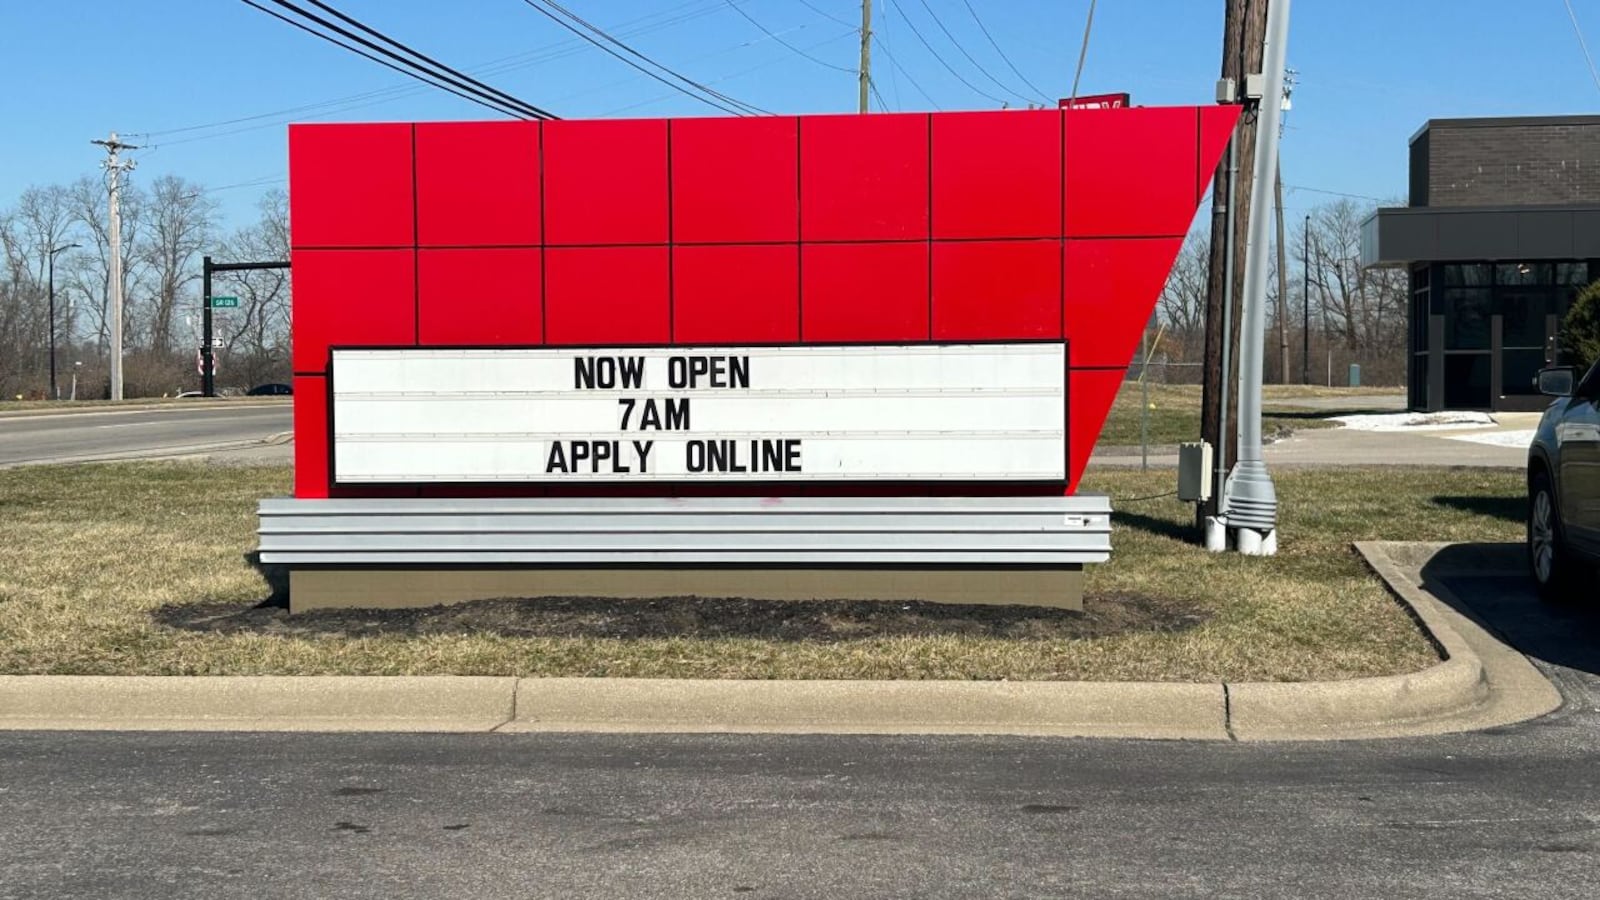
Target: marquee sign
<point>729,306</point>
<point>968,412</point>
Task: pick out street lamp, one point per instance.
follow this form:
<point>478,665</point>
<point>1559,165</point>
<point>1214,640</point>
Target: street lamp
<point>55,391</point>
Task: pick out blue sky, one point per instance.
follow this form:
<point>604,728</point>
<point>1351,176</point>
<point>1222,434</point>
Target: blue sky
<point>1371,71</point>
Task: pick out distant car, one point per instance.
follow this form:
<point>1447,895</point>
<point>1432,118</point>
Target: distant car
<point>270,390</point>
<point>1564,486</point>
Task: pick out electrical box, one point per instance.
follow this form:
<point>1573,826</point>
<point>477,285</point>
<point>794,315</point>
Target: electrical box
<point>1194,472</point>
<point>1227,91</point>
<point>1255,86</point>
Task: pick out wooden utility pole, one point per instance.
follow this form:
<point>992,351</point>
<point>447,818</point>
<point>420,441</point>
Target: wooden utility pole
<point>866,51</point>
<point>1283,283</point>
<point>115,166</point>
<point>1244,30</point>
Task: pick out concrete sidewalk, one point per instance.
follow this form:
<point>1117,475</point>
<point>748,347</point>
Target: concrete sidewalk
<point>1477,684</point>
<point>1352,447</point>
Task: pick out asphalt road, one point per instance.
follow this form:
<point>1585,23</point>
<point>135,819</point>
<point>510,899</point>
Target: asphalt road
<point>89,435</point>
<point>1512,812</point>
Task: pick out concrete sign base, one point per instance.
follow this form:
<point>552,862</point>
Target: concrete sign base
<point>393,553</point>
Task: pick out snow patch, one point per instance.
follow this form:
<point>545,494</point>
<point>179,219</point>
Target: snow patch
<point>1415,421</point>
<point>1520,438</point>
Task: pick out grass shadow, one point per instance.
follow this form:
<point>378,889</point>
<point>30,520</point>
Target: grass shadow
<point>817,621</point>
<point>1509,509</point>
<point>277,577</point>
<point>1167,528</point>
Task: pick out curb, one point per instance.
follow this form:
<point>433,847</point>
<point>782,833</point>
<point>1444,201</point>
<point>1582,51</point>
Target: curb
<point>1362,707</point>
<point>1062,708</point>
<point>256,702</point>
<point>1460,693</point>
<point>105,409</point>
<point>158,453</point>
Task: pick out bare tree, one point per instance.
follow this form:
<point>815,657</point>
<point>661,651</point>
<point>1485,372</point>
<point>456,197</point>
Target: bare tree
<point>256,342</point>
<point>179,224</point>
<point>1183,301</point>
<point>90,274</point>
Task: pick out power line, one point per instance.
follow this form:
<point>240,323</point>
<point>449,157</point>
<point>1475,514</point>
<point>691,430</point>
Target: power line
<point>792,48</point>
<point>514,101</point>
<point>827,15</point>
<point>429,79</point>
<point>1584,44</point>
<point>388,94</point>
<point>947,67</point>
<point>963,50</point>
<point>708,96</point>
<point>728,77</point>
<point>902,70</point>
<point>1044,96</point>
<point>1312,190</point>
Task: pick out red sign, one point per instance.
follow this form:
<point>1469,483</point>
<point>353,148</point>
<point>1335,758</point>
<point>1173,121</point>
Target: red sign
<point>514,240</point>
<point>1096,101</point>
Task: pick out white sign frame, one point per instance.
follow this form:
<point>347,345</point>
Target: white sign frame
<point>923,412</point>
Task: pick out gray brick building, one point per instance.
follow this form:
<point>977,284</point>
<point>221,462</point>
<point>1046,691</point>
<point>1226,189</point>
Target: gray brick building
<point>1501,231</point>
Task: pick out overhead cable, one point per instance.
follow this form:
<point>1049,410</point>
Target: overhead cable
<point>1042,95</point>
<point>514,101</point>
<point>444,83</point>
<point>666,19</point>
<point>947,67</point>
<point>963,50</point>
<point>559,14</point>
<point>792,48</point>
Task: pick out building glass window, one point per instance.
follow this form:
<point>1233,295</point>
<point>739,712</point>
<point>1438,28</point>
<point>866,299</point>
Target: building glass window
<point>1522,312</point>
<point>1466,318</point>
<point>1466,381</point>
<point>1524,273</point>
<point>1466,275</point>
<point>1576,274</point>
<point>1517,370</point>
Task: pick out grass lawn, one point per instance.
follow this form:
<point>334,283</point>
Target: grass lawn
<point>144,569</point>
<point>1176,413</point>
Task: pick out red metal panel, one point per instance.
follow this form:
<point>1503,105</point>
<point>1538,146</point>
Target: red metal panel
<point>745,293</point>
<point>864,178</point>
<point>310,436</point>
<point>996,290</point>
<point>477,183</point>
<point>1090,393</point>
<point>1112,288</point>
<point>864,292</point>
<point>605,181</point>
<point>607,295</point>
<point>351,186</point>
<point>479,296</point>
<point>735,180</point>
<point>351,297</point>
<point>1130,172</point>
<point>1216,126</point>
<point>997,174</point>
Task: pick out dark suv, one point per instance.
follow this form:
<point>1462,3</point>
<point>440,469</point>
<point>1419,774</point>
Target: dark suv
<point>1564,486</point>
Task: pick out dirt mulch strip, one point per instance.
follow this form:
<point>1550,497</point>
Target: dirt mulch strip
<point>685,617</point>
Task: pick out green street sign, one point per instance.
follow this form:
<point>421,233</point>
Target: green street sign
<point>224,302</point>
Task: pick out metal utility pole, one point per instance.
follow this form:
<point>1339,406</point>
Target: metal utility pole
<point>866,52</point>
<point>55,391</point>
<point>1305,305</point>
<point>1243,28</point>
<point>1250,508</point>
<point>208,355</point>
<point>114,168</point>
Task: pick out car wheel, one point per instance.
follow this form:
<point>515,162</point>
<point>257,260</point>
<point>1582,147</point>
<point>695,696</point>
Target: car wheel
<point>1548,561</point>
